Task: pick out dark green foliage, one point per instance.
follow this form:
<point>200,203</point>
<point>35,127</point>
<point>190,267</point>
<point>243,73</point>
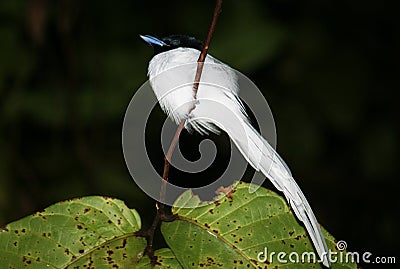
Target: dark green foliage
<point>100,232</point>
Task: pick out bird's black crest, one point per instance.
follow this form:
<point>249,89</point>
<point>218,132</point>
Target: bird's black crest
<point>178,41</point>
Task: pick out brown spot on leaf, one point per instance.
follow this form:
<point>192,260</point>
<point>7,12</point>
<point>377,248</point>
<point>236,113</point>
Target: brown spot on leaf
<point>254,261</point>
<point>123,244</point>
<point>228,191</point>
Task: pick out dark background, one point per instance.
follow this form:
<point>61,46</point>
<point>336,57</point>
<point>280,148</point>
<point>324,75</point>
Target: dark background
<point>329,70</point>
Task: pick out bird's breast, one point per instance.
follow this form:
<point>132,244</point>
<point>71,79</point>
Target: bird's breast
<point>172,74</point>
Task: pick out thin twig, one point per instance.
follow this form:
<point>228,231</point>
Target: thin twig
<point>149,234</point>
<point>200,64</point>
<point>203,54</point>
<point>161,214</point>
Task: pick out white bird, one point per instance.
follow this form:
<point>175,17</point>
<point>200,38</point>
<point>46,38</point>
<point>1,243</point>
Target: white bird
<point>217,105</point>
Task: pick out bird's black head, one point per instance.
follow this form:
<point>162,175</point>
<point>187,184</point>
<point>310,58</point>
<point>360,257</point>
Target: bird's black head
<point>172,42</point>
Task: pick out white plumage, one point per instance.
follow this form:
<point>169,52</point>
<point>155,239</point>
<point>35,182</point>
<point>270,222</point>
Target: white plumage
<point>218,105</point>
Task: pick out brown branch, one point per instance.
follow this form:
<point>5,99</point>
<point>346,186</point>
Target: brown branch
<point>200,64</point>
<point>161,214</point>
<point>203,54</point>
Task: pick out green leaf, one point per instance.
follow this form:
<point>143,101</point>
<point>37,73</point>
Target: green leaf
<point>165,259</point>
<point>90,232</point>
<point>231,232</point>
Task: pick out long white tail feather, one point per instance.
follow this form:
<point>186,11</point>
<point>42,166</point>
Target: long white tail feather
<point>262,157</point>
<point>217,105</point>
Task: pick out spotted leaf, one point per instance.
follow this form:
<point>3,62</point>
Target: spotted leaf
<point>238,230</point>
<point>90,232</point>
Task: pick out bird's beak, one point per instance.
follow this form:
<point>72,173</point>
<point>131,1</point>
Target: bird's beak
<point>153,40</point>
